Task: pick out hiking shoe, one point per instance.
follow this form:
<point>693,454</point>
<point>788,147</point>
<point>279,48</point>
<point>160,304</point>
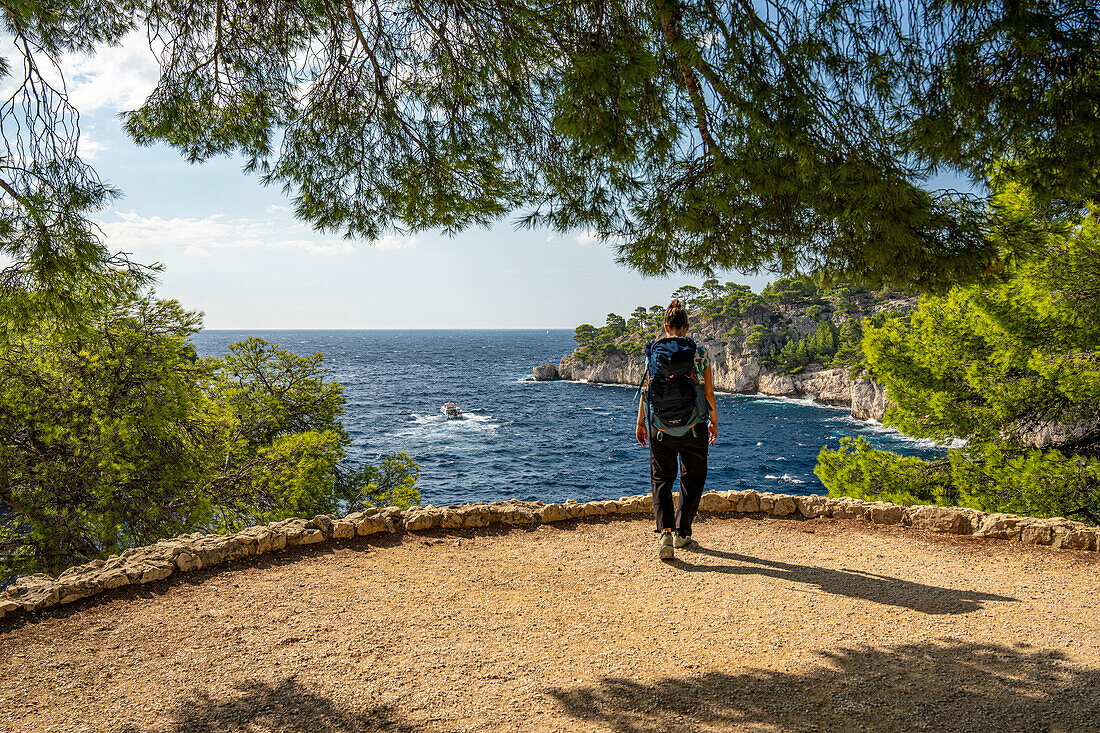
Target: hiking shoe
<point>679,541</point>
<point>664,546</point>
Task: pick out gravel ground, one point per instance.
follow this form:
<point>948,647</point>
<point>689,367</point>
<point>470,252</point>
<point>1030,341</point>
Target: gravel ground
<point>768,624</point>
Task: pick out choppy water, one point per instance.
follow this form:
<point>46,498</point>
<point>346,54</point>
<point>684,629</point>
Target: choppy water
<point>542,440</point>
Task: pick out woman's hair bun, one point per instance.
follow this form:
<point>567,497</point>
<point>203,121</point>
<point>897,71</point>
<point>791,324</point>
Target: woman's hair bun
<point>676,317</point>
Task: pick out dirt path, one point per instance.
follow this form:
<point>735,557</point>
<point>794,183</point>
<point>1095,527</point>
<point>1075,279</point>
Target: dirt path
<point>772,624</point>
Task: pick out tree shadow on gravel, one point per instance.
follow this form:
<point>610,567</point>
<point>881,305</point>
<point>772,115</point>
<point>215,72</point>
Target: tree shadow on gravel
<point>283,708</point>
<point>882,589</point>
<point>948,686</point>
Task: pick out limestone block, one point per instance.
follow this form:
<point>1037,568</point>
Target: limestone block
<point>573,508</point>
<point>343,529</point>
<point>612,507</point>
<point>278,541</point>
<point>78,582</point>
<point>1036,532</point>
<point>1073,536</point>
<point>520,515</point>
<point>451,519</point>
<point>114,578</point>
<point>211,556</point>
<point>265,540</point>
<point>186,561</point>
<point>974,518</point>
<point>883,512</point>
<point>25,584</point>
<point>552,513</point>
<point>417,521</point>
<point>371,524</point>
<point>293,529</point>
<point>70,592</point>
<point>112,562</point>
<point>323,522</point>
<point>712,501</point>
<point>594,509</point>
<point>311,537</point>
<point>393,518</point>
<point>169,549</point>
<point>546,373</point>
<point>240,546</point>
<point>812,506</point>
<point>478,519</point>
<point>766,501</point>
<point>40,598</point>
<point>846,507</point>
<point>7,605</point>
<point>1059,528</point>
<point>1001,526</point>
<point>783,505</point>
<point>947,519</point>
<point>156,571</point>
<point>640,504</point>
<point>748,502</point>
<point>928,516</point>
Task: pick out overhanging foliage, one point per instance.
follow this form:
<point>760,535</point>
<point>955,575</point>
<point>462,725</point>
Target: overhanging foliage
<point>789,136</point>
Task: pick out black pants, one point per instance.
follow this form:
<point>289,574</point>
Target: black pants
<point>691,451</point>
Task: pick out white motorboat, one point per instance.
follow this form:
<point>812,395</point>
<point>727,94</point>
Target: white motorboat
<point>450,411</point>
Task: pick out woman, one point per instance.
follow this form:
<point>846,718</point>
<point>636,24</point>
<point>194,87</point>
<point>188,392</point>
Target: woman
<point>666,446</point>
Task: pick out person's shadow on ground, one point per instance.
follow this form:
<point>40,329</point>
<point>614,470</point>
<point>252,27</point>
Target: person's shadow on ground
<point>852,583</point>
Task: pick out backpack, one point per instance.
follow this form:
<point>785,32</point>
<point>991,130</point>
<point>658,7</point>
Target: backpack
<point>675,398</point>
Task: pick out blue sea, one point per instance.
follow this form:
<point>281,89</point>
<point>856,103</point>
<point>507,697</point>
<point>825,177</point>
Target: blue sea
<point>542,440</point>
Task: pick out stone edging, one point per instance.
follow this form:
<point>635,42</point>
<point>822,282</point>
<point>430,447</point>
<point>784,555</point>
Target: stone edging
<point>196,551</point>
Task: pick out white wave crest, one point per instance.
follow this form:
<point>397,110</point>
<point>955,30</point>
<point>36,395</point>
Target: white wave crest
<point>803,401</point>
<point>787,478</point>
<point>875,427</point>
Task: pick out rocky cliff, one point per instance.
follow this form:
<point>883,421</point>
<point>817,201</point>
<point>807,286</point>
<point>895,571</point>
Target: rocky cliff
<point>743,374</point>
<point>738,357</point>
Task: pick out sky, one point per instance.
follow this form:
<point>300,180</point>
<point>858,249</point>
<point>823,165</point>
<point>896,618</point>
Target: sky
<point>231,247</point>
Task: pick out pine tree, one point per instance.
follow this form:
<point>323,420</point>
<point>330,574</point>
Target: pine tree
<point>995,366</point>
<point>639,319</point>
<point>696,136</point>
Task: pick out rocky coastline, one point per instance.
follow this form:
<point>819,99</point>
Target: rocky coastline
<point>741,374</point>
<point>737,358</point>
<point>748,348</point>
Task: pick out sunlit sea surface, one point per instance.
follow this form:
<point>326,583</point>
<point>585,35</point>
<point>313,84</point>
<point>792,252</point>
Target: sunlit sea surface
<point>543,440</point>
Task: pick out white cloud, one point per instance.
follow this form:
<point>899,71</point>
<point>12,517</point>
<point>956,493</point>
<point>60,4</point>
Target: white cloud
<point>391,242</point>
<point>115,77</point>
<point>277,209</point>
<point>131,232</point>
<point>89,149</point>
<point>586,238</point>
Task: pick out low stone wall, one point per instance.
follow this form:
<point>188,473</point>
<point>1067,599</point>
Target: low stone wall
<point>196,551</point>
